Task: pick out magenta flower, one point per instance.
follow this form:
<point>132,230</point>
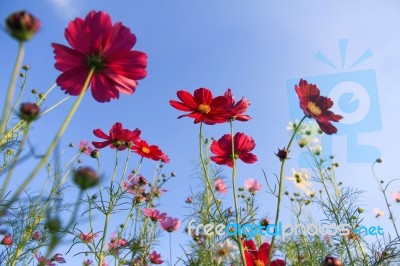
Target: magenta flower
<point>88,237</point>
<point>37,235</point>
<point>98,44</point>
<point>220,186</point>
<point>252,185</point>
<point>154,215</point>
<point>87,263</point>
<point>58,257</point>
<point>116,243</point>
<point>170,224</point>
<point>155,258</point>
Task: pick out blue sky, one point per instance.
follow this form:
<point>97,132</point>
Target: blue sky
<point>255,48</point>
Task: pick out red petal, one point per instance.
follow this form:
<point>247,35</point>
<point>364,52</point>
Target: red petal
<point>100,134</point>
<point>120,39</point>
<point>263,252</point>
<point>73,80</point>
<point>203,95</point>
<point>103,89</point>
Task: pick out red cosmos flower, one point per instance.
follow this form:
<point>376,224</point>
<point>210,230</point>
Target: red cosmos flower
<point>148,151</point>
<point>243,145</point>
<point>237,109</point>
<point>316,106</point>
<point>259,257</point>
<point>106,48</point>
<point>119,137</point>
<point>7,240</point>
<point>202,106</point>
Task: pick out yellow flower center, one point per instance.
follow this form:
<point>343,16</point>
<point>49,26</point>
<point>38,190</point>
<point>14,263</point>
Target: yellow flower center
<point>222,252</point>
<point>204,108</point>
<point>146,150</point>
<point>313,108</point>
<point>259,263</point>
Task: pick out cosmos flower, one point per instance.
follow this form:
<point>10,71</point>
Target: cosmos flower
<point>155,258</point>
<point>252,185</point>
<point>237,109</point>
<point>224,252</point>
<point>84,147</point>
<point>202,106</point>
<point>220,186</point>
<point>170,224</point>
<point>145,150</point>
<point>243,145</point>
<point>316,106</point>
<point>301,179</point>
<point>7,240</point>
<point>106,48</point>
<point>88,237</point>
<point>378,213</point>
<point>259,257</point>
<point>154,215</point>
<point>396,196</point>
<point>118,137</point>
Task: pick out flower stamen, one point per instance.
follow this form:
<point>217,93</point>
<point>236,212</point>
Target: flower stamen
<point>204,108</point>
<point>314,109</point>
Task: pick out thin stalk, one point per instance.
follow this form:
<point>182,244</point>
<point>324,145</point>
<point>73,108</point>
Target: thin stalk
<point>242,257</point>
<point>53,144</point>
<point>280,191</point>
<point>11,88</point>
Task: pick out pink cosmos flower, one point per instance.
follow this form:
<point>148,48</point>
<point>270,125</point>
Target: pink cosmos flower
<point>88,237</point>
<point>396,196</point>
<point>252,185</point>
<point>155,258</point>
<point>43,261</point>
<point>170,224</point>
<point>118,137</point>
<point>84,147</point>
<point>154,215</point>
<point>106,48</point>
<point>116,243</point>
<point>220,186</point>
<point>58,257</point>
<point>37,235</point>
<point>87,263</point>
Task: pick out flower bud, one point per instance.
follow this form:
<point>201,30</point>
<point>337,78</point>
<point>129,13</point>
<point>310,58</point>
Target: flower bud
<point>7,240</point>
<point>29,112</point>
<point>22,25</point>
<point>282,154</point>
<point>332,261</point>
<point>85,177</point>
<point>379,160</point>
<point>53,225</point>
<point>95,154</point>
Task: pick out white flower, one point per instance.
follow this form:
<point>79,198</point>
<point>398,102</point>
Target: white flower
<point>316,149</point>
<point>224,252</point>
<point>378,212</point>
<point>300,179</point>
<point>293,125</point>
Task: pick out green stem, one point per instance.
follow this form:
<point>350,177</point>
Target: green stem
<point>205,170</point>
<point>11,88</point>
<point>53,144</point>
<point>242,257</point>
<point>280,191</point>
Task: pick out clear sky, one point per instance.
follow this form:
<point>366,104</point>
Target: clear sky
<point>259,49</point>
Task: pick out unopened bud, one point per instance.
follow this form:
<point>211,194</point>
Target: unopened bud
<point>29,111</point>
<point>22,25</point>
<point>85,177</point>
